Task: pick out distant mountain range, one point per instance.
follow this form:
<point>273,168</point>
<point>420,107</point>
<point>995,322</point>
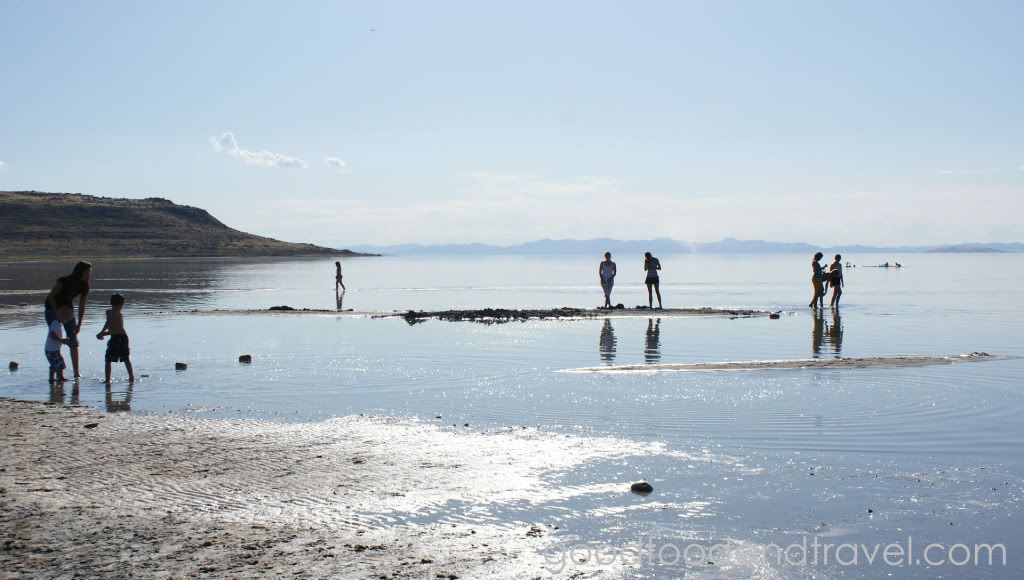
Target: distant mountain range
<point>661,246</point>
<point>52,225</point>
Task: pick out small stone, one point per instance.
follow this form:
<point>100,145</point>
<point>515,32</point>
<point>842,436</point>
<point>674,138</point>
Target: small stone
<point>774,316</point>
<point>91,425</point>
<point>13,366</point>
<point>871,511</point>
<point>180,366</point>
<point>245,359</point>
<point>641,487</point>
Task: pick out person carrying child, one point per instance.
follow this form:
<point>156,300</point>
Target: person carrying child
<point>55,338</point>
<point>117,346</point>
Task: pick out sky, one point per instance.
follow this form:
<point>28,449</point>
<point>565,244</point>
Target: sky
<point>346,123</point>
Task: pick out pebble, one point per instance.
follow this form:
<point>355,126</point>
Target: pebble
<point>180,366</point>
<point>13,366</point>
<point>245,359</point>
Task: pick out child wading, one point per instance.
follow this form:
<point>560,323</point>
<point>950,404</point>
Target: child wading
<point>117,346</point>
<point>55,338</point>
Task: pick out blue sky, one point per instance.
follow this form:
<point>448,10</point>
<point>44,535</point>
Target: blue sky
<point>390,122</point>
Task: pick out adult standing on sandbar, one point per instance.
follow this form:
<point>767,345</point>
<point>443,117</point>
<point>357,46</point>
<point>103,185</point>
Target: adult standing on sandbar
<point>652,265</point>
<point>337,277</point>
<point>607,271</point>
<point>63,294</point>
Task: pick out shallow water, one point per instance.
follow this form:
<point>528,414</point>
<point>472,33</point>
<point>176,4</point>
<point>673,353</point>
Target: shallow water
<point>923,448</point>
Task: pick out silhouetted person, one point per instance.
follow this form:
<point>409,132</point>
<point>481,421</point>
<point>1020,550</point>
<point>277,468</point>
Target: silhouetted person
<point>63,293</point>
<point>117,347</point>
<point>818,282</point>
<point>835,280</point>
<point>606,271</point>
<point>607,342</point>
<point>339,299</point>
<point>338,278</point>
<point>652,342</point>
<point>651,266</point>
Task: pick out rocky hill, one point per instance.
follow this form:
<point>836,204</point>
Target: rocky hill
<point>50,225</point>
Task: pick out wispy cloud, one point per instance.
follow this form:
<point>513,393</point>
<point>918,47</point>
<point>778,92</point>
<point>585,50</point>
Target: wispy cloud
<point>227,145</point>
<point>2,165</point>
<point>967,171</point>
<point>337,163</point>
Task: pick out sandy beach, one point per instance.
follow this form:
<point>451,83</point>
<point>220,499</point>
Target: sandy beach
<point>87,494</point>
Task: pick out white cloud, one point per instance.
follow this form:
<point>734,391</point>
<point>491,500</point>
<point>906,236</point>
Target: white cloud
<point>228,146</point>
<point>337,163</point>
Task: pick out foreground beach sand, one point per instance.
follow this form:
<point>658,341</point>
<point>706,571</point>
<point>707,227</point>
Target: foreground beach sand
<point>86,494</point>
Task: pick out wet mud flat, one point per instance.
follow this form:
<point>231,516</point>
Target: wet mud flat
<point>816,363</point>
<point>87,494</point>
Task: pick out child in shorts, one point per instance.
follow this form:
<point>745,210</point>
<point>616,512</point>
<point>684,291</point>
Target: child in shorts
<point>55,338</point>
<point>117,346</point>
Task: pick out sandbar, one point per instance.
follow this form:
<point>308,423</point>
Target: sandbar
<point>867,362</point>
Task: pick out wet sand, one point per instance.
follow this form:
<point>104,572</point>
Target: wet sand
<point>814,363</point>
<point>87,494</point>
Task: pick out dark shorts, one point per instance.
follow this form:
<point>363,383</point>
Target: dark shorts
<point>69,327</point>
<point>56,361</point>
<point>651,281</point>
<point>607,284</point>
<point>117,348</point>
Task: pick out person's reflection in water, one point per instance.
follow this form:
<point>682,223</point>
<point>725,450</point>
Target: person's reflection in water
<point>652,345</point>
<point>818,333</point>
<point>57,393</point>
<point>835,334</point>
<point>122,403</point>
<point>607,343</point>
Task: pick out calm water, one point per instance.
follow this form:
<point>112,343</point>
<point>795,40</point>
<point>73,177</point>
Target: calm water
<point>934,452</point>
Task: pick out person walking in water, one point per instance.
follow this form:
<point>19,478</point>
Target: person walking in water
<point>607,271</point>
<point>652,265</point>
<point>817,280</point>
<point>337,277</point>
<point>835,280</point>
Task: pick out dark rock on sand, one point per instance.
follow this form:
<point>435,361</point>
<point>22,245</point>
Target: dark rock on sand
<point>286,308</point>
<point>13,366</point>
<point>245,359</point>
<point>180,366</point>
<point>775,316</point>
<point>641,487</point>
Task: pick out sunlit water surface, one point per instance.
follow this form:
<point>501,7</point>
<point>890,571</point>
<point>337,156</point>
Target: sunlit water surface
<point>933,452</point>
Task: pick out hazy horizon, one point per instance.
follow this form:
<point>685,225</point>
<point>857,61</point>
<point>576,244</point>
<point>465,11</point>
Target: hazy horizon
<point>459,122</point>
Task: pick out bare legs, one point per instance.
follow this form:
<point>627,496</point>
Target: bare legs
<point>650,298</point>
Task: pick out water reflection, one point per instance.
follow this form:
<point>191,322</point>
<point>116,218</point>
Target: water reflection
<point>831,333</point>
<point>149,285</point>
<point>607,343</point>
<point>339,299</point>
<point>652,343</point>
<point>119,402</point>
<point>58,392</point>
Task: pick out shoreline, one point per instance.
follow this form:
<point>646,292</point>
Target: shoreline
<point>86,493</point>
